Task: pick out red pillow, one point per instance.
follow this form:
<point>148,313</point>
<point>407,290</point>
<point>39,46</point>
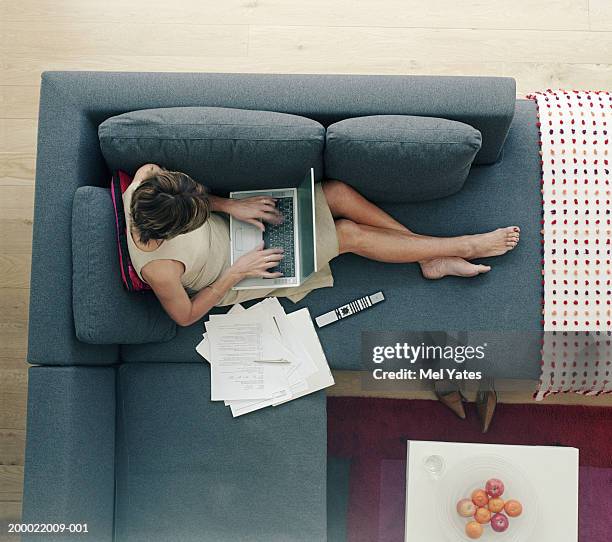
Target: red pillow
<point>131,280</point>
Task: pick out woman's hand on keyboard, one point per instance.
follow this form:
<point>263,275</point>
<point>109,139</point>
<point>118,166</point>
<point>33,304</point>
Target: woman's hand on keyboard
<point>257,263</point>
<point>256,211</point>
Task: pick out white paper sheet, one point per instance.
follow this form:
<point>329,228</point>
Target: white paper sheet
<point>301,322</point>
<point>300,367</point>
<point>239,408</point>
<point>238,343</point>
<point>303,365</point>
<point>237,372</point>
<point>203,347</point>
<point>301,328</point>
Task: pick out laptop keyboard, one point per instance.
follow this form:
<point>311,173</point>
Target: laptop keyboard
<point>281,236</point>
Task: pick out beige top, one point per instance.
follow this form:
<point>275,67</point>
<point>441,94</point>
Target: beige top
<point>205,253</point>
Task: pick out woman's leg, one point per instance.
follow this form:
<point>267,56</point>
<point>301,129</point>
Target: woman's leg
<point>347,203</point>
<point>387,245</point>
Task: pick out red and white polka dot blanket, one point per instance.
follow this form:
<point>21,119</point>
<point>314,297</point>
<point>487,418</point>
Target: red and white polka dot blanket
<point>575,137</point>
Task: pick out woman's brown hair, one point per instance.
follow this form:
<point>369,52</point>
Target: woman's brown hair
<point>168,204</point>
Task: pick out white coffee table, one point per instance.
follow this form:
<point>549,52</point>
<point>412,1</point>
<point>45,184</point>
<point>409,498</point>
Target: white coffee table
<point>551,471</point>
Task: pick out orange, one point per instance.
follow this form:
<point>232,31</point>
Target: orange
<point>474,530</point>
<point>482,515</point>
<point>513,508</point>
<point>496,505</point>
<point>480,497</point>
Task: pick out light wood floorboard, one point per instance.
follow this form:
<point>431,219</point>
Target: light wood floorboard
<point>520,14</point>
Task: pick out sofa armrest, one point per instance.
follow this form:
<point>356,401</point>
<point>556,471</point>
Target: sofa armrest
<point>68,156</point>
<point>70,451</point>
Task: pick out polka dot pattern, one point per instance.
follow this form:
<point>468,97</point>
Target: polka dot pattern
<point>575,134</point>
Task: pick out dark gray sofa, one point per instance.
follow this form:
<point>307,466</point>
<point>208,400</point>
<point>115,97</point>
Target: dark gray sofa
<point>123,436</point>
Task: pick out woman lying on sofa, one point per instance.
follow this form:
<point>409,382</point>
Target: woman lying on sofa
<point>180,243</point>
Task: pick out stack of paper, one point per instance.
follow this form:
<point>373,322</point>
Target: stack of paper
<point>262,356</point>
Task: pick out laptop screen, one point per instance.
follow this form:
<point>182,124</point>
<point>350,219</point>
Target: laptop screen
<point>306,225</point>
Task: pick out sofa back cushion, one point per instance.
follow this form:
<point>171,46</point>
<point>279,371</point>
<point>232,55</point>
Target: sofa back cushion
<point>104,312</point>
<point>226,149</point>
<point>398,158</point>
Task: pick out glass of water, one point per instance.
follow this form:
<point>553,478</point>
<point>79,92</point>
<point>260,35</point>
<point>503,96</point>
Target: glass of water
<point>434,465</point>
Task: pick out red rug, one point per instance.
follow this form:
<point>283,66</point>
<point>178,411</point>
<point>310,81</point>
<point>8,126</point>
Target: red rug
<point>373,431</point>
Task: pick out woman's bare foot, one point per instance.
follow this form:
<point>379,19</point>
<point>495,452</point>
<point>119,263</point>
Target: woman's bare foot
<point>458,267</point>
<point>493,243</point>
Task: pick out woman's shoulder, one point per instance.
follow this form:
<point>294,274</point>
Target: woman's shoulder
<point>163,271</point>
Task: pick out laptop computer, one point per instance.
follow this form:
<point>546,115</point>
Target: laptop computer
<point>296,235</point>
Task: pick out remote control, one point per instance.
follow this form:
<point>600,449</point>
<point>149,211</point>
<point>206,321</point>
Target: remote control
<point>349,309</point>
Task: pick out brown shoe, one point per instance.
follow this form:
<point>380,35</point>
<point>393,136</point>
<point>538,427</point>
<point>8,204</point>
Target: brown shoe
<point>486,401</point>
<point>452,400</point>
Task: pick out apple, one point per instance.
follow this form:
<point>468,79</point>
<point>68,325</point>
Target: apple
<point>499,523</point>
<point>466,508</point>
<point>473,530</point>
<point>494,488</point>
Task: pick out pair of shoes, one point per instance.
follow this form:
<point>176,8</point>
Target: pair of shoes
<point>454,400</point>
<point>486,401</point>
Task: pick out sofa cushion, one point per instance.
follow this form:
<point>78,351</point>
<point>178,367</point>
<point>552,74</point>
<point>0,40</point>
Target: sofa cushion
<point>70,451</point>
<point>399,158</point>
<point>226,149</point>
<point>104,312</point>
<point>186,470</point>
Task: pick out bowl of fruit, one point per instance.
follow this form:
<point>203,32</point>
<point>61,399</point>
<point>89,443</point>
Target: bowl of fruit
<point>487,498</point>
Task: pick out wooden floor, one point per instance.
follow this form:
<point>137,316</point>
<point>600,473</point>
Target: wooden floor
<point>550,43</point>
